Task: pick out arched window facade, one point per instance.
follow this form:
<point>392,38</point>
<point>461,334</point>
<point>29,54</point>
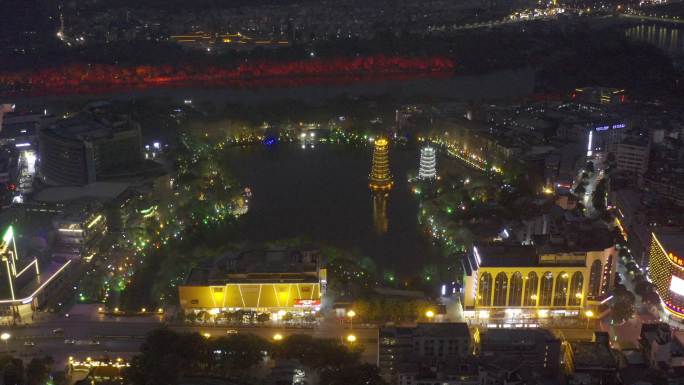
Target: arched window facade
<point>500,289</point>
<point>516,289</point>
<point>485,290</point>
<point>531,289</point>
<point>595,278</point>
<point>561,295</point>
<point>546,289</point>
<point>607,282</point>
<point>576,283</point>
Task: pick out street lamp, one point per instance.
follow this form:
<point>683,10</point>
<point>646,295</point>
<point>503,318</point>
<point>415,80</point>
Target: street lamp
<point>430,314</point>
<point>5,337</point>
<point>589,314</point>
<point>351,314</point>
<point>277,337</point>
<point>351,338</point>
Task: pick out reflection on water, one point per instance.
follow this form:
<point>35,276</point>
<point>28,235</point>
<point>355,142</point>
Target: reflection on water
<point>380,212</point>
<point>664,37</point>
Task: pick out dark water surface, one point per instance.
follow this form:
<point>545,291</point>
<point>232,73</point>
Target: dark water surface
<point>323,193</point>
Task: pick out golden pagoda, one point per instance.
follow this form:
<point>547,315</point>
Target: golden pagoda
<point>380,177</point>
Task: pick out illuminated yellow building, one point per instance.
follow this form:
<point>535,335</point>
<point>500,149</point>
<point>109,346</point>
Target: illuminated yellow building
<point>553,277</point>
<point>261,281</point>
<point>666,269</point>
<point>380,177</point>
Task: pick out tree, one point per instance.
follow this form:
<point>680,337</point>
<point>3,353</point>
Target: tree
<point>598,198</point>
<point>358,374</point>
<point>622,307</point>
<point>38,371</point>
<point>160,360</point>
<point>316,353</point>
<point>236,353</point>
<point>14,372</point>
<point>589,167</point>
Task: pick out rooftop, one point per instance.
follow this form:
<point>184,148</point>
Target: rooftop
<point>97,191</point>
<point>263,265</point>
<point>514,337</point>
<point>89,125</point>
<point>588,355</point>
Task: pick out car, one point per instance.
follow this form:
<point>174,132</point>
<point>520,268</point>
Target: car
<point>58,331</point>
<point>231,331</point>
<point>69,342</point>
<point>93,342</point>
<point>29,343</point>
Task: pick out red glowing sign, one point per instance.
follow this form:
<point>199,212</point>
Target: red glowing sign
<point>307,303</point>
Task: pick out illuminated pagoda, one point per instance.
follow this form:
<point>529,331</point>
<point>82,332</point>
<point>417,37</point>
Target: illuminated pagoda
<point>380,177</point>
<point>428,164</point>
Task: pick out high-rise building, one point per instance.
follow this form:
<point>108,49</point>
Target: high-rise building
<point>87,148</point>
<point>380,177</point>
<point>428,164</point>
<point>666,269</point>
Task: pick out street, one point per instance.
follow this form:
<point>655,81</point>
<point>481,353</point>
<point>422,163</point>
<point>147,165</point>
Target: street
<point>121,336</point>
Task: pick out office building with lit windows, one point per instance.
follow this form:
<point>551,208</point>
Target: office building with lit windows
<point>555,276</point>
<point>666,269</point>
<point>88,147</point>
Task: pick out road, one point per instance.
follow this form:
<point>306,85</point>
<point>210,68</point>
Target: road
<point>122,336</point>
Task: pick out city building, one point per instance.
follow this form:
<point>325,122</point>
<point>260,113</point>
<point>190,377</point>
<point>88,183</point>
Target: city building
<point>403,352</point>
<point>78,231</point>
<point>669,185</point>
<point>97,371</point>
<point>604,138</point>
<point>536,350</point>
<point>591,362</point>
<point>88,147</point>
<point>599,95</point>
<point>26,283</point>
<point>666,269</point>
<point>632,158</point>
<point>380,177</point>
<point>663,350</point>
<point>275,282</point>
<point>428,164</point>
<point>558,275</point>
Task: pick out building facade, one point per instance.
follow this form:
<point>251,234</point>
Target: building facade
<point>403,350</point>
<point>632,158</point>
<point>666,269</point>
<point>83,149</point>
<point>550,278</point>
<point>271,281</point>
